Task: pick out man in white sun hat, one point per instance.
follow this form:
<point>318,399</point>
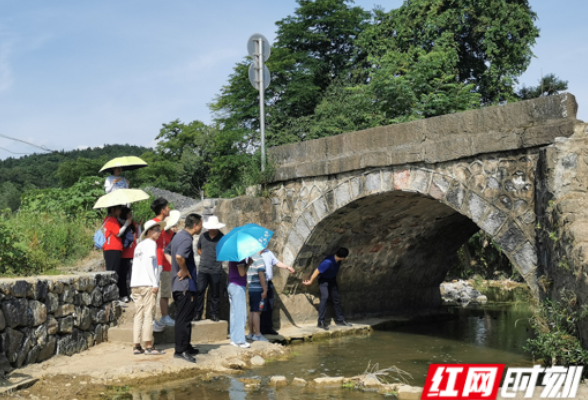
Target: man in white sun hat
<point>210,270</point>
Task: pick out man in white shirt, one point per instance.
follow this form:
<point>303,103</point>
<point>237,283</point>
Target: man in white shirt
<point>267,326</point>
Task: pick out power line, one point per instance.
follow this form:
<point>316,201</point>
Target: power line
<point>2,148</point>
<point>44,148</point>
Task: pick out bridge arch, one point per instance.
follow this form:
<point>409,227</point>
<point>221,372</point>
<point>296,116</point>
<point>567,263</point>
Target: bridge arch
<point>403,225</point>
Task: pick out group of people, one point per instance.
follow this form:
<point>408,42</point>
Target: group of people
<point>163,265</point>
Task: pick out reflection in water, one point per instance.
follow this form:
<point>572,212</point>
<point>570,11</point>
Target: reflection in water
<point>488,334</point>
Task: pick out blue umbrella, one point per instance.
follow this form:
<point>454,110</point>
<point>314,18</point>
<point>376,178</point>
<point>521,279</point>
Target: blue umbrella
<point>242,242</point>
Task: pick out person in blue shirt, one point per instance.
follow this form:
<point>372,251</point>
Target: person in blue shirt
<point>327,278</point>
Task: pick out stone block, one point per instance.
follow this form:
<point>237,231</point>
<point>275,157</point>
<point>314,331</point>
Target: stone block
<point>402,179</point>
<point>12,340</point>
<point>86,299</point>
<point>64,310</point>
<point>299,382</point>
<point>476,206</point>
<point>420,180</point>
<point>257,361</point>
<point>52,326</point>
<point>455,195</point>
<point>15,311</point>
<point>328,381</point>
<point>33,354</point>
<point>387,180</point>
<point>320,208</point>
<point>110,293</point>
<point>58,287</point>
<point>278,381</point>
<point>65,325</point>
<point>20,289</point>
<point>493,222</point>
<point>342,195</point>
<point>41,289</point>
<point>21,357</point>
<point>36,313</point>
<point>373,182</point>
<point>48,350</point>
<point>52,302</point>
<point>526,258</point>
<point>511,239</point>
<point>2,321</point>
<point>67,295</point>
<point>96,297</point>
<point>406,392</point>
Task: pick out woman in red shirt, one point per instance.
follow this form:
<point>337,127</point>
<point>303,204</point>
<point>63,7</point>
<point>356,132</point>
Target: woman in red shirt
<point>113,232</point>
<point>127,254</point>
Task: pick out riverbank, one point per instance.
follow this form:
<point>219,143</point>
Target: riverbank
<point>110,365</point>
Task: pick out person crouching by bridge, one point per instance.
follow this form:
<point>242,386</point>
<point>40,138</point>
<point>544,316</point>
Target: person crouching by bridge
<point>267,326</point>
<point>144,288</point>
<point>327,278</point>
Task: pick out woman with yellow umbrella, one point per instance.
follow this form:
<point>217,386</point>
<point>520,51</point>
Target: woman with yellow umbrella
<point>116,166</point>
<point>113,231</point>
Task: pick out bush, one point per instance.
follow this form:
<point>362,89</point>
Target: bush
<point>34,243</point>
<point>76,200</point>
<point>555,324</point>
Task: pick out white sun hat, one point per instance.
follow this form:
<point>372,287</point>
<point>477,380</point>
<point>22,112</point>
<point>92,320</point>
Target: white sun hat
<point>150,224</point>
<point>172,220</point>
<point>213,223</point>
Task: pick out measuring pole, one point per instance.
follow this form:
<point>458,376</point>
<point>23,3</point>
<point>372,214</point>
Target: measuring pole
<point>261,104</point>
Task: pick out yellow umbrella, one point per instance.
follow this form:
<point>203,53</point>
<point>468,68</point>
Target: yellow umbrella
<point>121,197</point>
<point>127,163</point>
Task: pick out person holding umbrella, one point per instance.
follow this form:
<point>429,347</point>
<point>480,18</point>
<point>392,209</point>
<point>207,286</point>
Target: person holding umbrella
<point>116,167</point>
<point>115,181</point>
<point>241,248</point>
<point>112,241</point>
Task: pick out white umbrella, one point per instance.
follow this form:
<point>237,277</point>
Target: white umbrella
<point>121,197</point>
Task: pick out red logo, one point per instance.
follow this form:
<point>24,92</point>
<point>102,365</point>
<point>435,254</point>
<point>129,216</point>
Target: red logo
<point>462,381</point>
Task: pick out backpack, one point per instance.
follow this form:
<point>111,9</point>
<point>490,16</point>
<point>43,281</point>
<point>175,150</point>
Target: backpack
<point>99,238</point>
<point>129,238</point>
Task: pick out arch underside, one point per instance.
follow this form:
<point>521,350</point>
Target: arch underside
<point>401,246</point>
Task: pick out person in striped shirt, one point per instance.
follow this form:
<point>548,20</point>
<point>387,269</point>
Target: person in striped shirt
<point>257,293</point>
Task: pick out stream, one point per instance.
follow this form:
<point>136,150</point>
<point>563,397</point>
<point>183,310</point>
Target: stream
<point>494,333</point>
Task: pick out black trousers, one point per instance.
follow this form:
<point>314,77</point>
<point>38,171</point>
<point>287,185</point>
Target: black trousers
<point>204,281</point>
<point>112,259</point>
<point>329,289</point>
<point>123,272</point>
<point>185,302</point>
<point>266,323</point>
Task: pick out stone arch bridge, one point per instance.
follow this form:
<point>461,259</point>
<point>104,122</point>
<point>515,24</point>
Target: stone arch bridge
<point>403,198</point>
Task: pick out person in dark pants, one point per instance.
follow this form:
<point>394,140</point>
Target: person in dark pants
<point>181,255</point>
<point>210,270</point>
<point>267,326</point>
<point>327,277</point>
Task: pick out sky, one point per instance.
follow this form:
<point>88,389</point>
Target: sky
<point>75,74</point>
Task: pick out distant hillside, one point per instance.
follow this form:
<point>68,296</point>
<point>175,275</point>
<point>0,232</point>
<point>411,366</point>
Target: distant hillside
<point>39,171</point>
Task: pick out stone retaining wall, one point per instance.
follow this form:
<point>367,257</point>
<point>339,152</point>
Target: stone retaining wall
<point>48,315</point>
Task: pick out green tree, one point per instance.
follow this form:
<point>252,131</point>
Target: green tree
<point>313,47</point>
<point>9,196</point>
<point>548,85</point>
<point>70,171</point>
<point>493,39</point>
